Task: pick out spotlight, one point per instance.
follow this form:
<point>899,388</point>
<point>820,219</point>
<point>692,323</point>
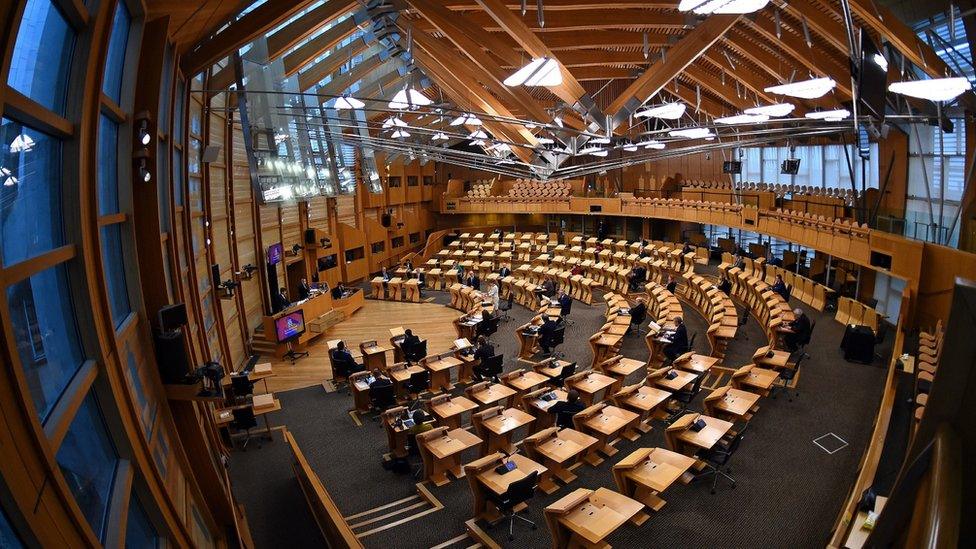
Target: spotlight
<point>144,173</point>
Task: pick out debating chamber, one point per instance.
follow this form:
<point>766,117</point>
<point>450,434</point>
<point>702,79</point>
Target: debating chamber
<point>448,274</point>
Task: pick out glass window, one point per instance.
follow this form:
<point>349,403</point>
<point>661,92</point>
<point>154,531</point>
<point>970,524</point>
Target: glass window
<point>108,166</point>
<point>42,55</point>
<point>113,261</point>
<point>88,461</point>
<point>8,538</point>
<point>115,59</point>
<point>30,195</point>
<point>139,530</point>
<point>177,177</point>
<point>147,403</point>
<point>48,344</point>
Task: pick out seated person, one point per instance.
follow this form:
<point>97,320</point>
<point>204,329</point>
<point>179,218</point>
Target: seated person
<point>379,380</point>
<point>798,330</point>
<point>548,287</point>
<point>280,300</point>
<point>386,276</point>
<point>642,252</point>
<point>408,265</point>
<point>780,287</point>
<point>637,277</point>
<point>546,332</point>
<point>738,262</point>
<point>473,281</point>
<point>303,290</point>
<point>422,422</point>
<point>565,303</point>
<point>638,313</point>
<point>678,344</point>
<point>485,349</point>
<point>339,291</point>
<point>342,356</point>
<point>566,410</point>
<point>409,340</point>
<point>505,271</point>
<point>687,248</point>
<point>421,278</point>
<point>672,284</point>
<point>487,314</point>
<point>577,270</point>
<point>725,286</point>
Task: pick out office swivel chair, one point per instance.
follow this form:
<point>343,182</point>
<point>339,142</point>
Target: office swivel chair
<point>637,320</point>
<point>557,338</point>
<point>684,398</point>
<point>719,456</point>
<point>418,383</point>
<point>506,306</point>
<point>487,328</point>
<point>244,420</point>
<point>565,312</point>
<point>241,387</point>
<point>560,379</point>
<point>382,398</point>
<point>489,369</point>
<point>518,493</point>
<point>342,369</point>
<point>787,376</point>
<point>416,353</point>
<point>805,340</point>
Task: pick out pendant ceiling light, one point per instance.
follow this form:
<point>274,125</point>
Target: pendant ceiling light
<point>409,98</point>
<point>467,120</point>
<point>541,71</point>
<point>439,136</point>
<point>706,7</point>
<point>806,89</point>
<point>830,116</point>
<point>774,111</point>
<point>346,103</point>
<point>692,133</point>
<point>742,119</point>
<point>667,111</point>
<point>400,134</point>
<point>936,89</point>
<point>651,144</point>
<point>478,134</point>
<point>394,121</point>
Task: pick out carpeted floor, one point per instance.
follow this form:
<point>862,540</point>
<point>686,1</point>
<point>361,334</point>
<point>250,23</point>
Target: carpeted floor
<point>789,490</point>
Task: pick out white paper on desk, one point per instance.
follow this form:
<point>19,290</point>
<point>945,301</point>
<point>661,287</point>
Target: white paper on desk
<point>655,326</point>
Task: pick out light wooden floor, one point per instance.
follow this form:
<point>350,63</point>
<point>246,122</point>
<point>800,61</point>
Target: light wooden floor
<point>428,320</point>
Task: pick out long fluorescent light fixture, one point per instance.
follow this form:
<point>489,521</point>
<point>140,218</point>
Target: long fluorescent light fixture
<point>806,89</point>
<point>692,133</point>
<point>589,150</point>
<point>742,119</point>
<point>651,144</point>
<point>347,103</point>
<point>409,98</point>
<point>541,71</point>
<point>631,147</point>
<point>706,7</point>
<point>600,140</point>
<point>936,89</point>
<point>668,111</point>
<point>773,111</point>
<point>830,116</point>
<point>467,120</point>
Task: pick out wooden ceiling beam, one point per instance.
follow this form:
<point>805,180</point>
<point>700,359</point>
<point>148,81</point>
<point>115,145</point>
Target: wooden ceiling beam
<point>342,82</point>
<point>829,29</point>
<point>314,74</point>
<point>678,57</point>
<point>584,74</point>
<point>307,52</point>
<point>570,90</point>
<point>746,77</point>
<point>572,40</point>
<point>578,20</point>
<point>288,37</point>
<point>596,58</point>
<point>723,90</point>
<point>456,29</point>
<point>567,5</point>
<point>266,16</point>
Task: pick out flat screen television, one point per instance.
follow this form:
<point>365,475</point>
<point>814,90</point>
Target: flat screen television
<point>872,78</point>
<point>275,251</point>
<point>790,166</point>
<point>290,326</point>
<point>732,166</point>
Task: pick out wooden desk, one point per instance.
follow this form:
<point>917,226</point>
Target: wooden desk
<point>223,417</point>
<point>260,372</point>
<point>522,381</point>
<point>412,290</point>
<point>559,450</point>
<point>776,360</point>
<point>498,430</point>
<point>482,476</point>
<point>607,424</point>
<point>379,292</point>
<point>551,367</point>
<point>394,288</point>
<point>586,517</point>
<point>400,373</point>
<point>440,373</point>
<point>682,380</point>
<point>699,364</point>
<point>750,377</point>
<point>360,391</point>
<point>592,387</point>
<point>732,403</point>
<point>494,394</point>
<point>441,451</point>
<point>540,408</point>
<point>449,409</point>
<point>619,367</point>
<point>643,400</point>
<point>528,342</point>
<point>690,441</point>
<point>374,356</point>
<point>396,433</point>
<point>647,472</point>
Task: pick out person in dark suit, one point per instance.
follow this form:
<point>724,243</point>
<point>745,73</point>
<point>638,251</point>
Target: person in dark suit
<point>342,354</point>
<point>687,248</point>
<point>637,277</point>
<point>548,287</point>
<point>546,332</point>
<point>379,380</point>
<point>505,271</point>
<point>280,300</point>
<point>679,341</point>
<point>303,289</point>
<point>780,287</point>
<point>408,265</point>
<point>386,276</point>
<point>638,313</point>
<point>485,349</point>
<point>473,281</point>
<point>566,410</point>
<point>725,286</point>
<point>565,302</point>
<point>738,262</point>
<point>672,284</point>
<point>799,330</point>
<point>409,340</point>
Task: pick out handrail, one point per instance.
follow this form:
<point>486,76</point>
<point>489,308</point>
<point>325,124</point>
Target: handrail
<point>940,526</point>
<point>872,455</point>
